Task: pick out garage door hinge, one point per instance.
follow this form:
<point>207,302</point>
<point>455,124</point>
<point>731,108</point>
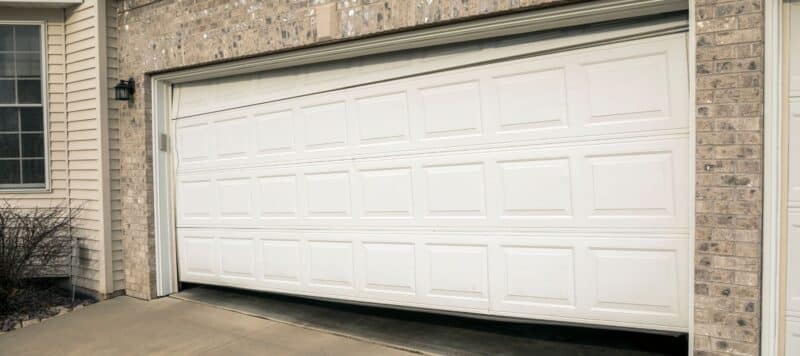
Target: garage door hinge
<point>162,142</point>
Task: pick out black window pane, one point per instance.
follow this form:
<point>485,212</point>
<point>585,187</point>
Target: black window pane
<point>27,38</point>
<point>29,91</point>
<point>8,119</point>
<point>29,65</point>
<point>9,145</point>
<point>9,172</point>
<point>31,119</point>
<point>33,145</point>
<point>7,92</point>
<point>33,171</point>
<point>7,65</point>
<point>6,38</point>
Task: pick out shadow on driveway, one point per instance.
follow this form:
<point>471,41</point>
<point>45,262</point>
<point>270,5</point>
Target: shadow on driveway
<point>434,333</point>
<point>169,326</point>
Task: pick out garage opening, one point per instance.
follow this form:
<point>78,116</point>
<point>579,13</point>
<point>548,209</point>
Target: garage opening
<point>491,178</point>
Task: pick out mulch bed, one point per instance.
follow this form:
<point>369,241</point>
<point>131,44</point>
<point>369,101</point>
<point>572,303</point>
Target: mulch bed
<point>40,301</point>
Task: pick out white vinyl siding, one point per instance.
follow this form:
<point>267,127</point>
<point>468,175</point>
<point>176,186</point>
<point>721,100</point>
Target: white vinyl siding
<point>83,146</point>
<point>112,64</point>
<point>791,318</point>
<point>75,149</point>
<point>56,115</point>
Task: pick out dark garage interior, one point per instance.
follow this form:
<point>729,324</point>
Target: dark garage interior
<point>431,333</point>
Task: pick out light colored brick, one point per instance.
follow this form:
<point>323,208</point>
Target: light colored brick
<point>718,24</point>
<point>729,129</point>
<point>158,36</point>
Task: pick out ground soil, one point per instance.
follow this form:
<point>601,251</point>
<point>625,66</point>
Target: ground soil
<point>38,301</point>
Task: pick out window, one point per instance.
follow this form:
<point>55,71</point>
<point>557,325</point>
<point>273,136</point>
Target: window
<point>22,127</point>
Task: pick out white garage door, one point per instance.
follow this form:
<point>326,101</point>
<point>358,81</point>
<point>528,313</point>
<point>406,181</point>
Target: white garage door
<point>547,187</point>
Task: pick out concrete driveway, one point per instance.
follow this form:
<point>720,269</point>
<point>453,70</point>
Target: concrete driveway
<point>169,326</point>
<point>436,333</point>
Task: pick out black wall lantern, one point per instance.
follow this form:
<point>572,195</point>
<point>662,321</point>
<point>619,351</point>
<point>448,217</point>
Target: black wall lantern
<point>124,89</point>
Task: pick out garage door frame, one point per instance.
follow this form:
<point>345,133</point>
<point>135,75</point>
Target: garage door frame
<point>524,22</point>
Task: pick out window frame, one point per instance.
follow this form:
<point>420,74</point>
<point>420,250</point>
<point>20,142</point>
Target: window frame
<point>35,187</point>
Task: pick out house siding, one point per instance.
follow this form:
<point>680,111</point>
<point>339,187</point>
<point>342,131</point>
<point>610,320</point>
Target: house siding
<point>54,26</point>
<point>115,208</point>
<point>83,137</point>
<point>165,35</point>
<point>75,150</point>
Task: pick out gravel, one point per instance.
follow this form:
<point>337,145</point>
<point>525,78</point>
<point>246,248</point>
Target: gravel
<point>38,303</point>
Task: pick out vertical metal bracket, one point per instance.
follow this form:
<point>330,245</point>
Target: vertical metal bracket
<point>163,142</point>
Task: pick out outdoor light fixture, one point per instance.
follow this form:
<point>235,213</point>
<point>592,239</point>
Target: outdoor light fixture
<point>124,89</point>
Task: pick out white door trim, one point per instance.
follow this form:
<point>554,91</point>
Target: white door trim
<point>692,60</point>
<point>771,279</point>
<point>572,15</point>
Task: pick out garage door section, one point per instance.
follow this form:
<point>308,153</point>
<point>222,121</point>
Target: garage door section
<point>550,187</point>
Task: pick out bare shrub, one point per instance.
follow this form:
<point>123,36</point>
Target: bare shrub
<point>34,242</point>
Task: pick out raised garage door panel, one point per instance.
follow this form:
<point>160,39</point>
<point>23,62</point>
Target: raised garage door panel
<point>551,187</point>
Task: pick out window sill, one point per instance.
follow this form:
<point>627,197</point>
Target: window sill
<point>25,190</point>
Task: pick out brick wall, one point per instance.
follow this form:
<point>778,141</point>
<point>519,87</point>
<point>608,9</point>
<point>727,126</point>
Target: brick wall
<point>730,65</point>
<point>162,35</point>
